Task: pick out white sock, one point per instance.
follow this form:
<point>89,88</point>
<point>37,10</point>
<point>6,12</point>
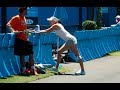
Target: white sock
<point>32,67</point>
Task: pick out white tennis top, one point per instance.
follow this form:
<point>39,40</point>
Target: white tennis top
<point>62,33</point>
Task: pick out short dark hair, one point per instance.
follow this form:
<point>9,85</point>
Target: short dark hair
<point>21,9</point>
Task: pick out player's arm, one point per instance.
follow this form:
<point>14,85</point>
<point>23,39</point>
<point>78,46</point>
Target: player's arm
<point>10,25</point>
<point>52,28</point>
<point>10,28</point>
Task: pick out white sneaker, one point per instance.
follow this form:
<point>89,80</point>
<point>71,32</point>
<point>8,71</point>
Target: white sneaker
<point>80,72</point>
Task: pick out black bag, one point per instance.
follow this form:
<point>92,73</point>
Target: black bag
<point>38,68</point>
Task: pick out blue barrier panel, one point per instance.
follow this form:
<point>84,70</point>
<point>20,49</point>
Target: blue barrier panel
<point>14,61</point>
<point>3,71</point>
<point>61,42</point>
<point>45,39</point>
<point>54,38</point>
<point>118,41</point>
<point>36,48</point>
<point>3,67</point>
<point>34,38</point>
<point>50,58</point>
<point>45,53</point>
<point>38,55</point>
<point>100,41</point>
<point>6,54</point>
<point>98,47</point>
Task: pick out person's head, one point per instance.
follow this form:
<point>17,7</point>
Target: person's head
<point>22,10</point>
<point>53,20</point>
<point>117,18</point>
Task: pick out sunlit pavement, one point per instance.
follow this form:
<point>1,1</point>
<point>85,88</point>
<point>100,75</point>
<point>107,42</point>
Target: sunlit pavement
<point>102,70</point>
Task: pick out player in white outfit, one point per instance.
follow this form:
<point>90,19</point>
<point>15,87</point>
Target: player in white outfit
<point>70,40</point>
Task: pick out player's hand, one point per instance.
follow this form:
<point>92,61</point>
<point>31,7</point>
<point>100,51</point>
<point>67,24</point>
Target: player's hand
<point>29,31</point>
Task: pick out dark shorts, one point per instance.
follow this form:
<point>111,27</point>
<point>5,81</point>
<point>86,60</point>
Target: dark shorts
<point>22,47</point>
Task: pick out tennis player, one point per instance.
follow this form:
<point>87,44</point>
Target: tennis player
<point>70,42</point>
